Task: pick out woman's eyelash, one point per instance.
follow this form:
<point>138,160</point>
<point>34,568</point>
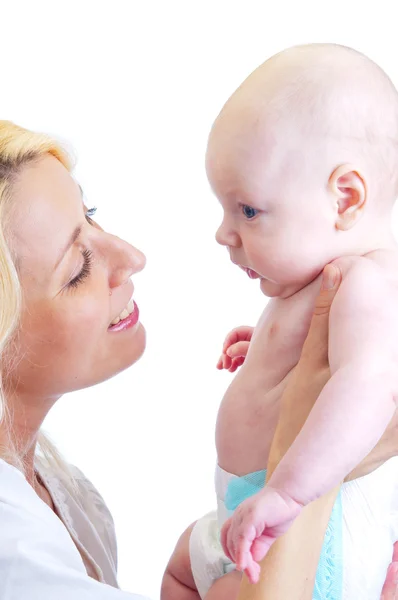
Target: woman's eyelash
<point>86,269</point>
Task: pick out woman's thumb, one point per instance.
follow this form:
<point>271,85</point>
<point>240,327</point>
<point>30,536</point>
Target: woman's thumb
<point>331,279</point>
<point>315,346</point>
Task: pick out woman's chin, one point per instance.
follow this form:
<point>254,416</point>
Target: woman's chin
<point>137,347</point>
<point>126,356</point>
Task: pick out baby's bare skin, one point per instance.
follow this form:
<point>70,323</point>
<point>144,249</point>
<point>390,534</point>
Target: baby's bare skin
<point>303,160</point>
<point>250,408</point>
<point>249,411</point>
<point>295,166</point>
<point>363,352</point>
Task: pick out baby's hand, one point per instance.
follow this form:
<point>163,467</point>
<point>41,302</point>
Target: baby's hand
<point>255,525</point>
<point>235,348</point>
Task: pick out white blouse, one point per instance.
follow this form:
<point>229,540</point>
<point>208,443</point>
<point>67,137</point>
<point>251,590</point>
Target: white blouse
<point>43,556</point>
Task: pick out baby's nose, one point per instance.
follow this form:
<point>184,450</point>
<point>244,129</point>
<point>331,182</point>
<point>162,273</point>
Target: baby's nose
<point>225,236</point>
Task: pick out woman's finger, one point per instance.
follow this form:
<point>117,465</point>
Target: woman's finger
<point>331,279</point>
<point>316,345</point>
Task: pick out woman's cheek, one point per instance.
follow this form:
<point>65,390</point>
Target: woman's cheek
<point>83,325</point>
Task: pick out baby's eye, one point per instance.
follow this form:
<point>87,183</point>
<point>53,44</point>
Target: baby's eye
<point>249,211</point>
<point>90,212</point>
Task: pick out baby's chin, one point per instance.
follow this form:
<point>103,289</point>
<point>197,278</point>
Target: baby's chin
<point>273,289</point>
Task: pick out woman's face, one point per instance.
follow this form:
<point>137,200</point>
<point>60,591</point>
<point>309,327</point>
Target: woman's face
<point>75,281</point>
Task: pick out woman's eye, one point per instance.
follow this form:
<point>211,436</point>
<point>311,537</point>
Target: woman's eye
<point>85,271</point>
<point>249,211</point>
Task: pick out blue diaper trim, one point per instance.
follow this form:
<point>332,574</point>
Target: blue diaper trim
<point>240,488</point>
<point>329,576</point>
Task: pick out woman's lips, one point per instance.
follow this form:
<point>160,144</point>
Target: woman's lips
<point>128,322</point>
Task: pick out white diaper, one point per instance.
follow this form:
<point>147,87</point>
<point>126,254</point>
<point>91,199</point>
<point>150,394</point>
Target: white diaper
<point>368,519</point>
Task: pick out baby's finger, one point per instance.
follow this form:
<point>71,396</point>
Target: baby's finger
<point>253,571</point>
<point>243,556</point>
<point>260,547</point>
<point>224,537</point>
<point>244,538</point>
<point>395,553</point>
<point>239,349</point>
<point>236,363</point>
<point>390,587</point>
<point>224,362</point>
<point>230,542</point>
<point>231,338</point>
<point>227,362</point>
<point>243,333</point>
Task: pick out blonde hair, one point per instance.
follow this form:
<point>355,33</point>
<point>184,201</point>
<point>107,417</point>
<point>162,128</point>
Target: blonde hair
<point>20,147</point>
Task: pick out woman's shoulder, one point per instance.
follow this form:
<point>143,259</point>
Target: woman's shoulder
<point>94,504</point>
<point>37,555</point>
<point>85,513</point>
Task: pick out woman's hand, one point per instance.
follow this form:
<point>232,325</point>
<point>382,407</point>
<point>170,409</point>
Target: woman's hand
<point>314,364</point>
<point>306,382</point>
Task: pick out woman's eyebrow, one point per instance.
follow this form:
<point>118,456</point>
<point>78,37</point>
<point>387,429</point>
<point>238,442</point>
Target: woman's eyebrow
<point>73,237</point>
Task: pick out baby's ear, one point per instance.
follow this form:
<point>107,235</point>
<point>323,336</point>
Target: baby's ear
<point>349,190</point>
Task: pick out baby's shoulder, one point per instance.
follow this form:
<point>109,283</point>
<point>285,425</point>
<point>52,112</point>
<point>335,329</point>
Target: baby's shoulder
<point>387,262</point>
<point>375,267</point>
<point>368,295</point>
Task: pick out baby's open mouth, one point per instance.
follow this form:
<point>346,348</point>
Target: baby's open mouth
<point>250,273</point>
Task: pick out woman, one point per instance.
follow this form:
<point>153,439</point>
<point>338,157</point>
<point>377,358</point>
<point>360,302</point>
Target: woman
<point>65,284</point>
<point>67,321</point>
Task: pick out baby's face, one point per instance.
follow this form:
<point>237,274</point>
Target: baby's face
<point>279,219</point>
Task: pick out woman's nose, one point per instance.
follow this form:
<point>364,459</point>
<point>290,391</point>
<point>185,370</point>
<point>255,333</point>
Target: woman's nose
<point>125,260</point>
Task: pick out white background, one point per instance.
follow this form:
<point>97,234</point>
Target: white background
<point>134,86</point>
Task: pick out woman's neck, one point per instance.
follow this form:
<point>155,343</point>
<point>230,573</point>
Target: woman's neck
<point>19,431</point>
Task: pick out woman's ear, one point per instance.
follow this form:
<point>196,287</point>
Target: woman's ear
<point>350,193</point>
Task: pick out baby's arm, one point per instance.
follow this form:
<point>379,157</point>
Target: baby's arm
<point>356,405</point>
<point>349,417</point>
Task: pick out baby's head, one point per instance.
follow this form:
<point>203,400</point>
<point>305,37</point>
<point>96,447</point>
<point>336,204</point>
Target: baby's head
<point>304,160</point>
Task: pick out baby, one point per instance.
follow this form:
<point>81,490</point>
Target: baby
<point>304,161</point>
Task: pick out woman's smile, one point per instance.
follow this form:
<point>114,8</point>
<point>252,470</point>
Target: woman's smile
<point>127,318</point>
